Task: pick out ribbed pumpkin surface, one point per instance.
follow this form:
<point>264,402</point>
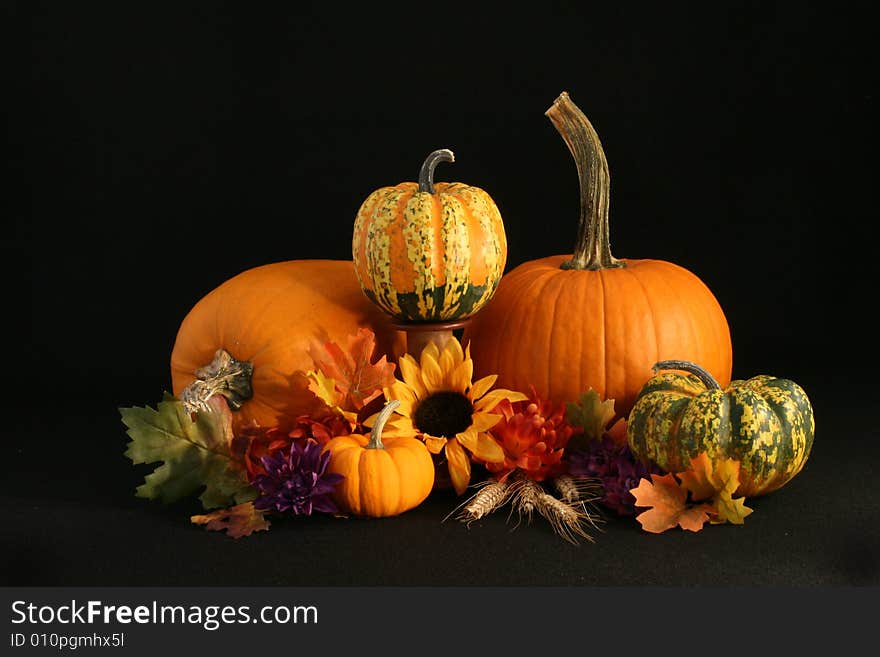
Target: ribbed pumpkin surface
<point>270,316</point>
<point>380,482</point>
<point>429,257</point>
<point>766,423</point>
<point>567,330</point>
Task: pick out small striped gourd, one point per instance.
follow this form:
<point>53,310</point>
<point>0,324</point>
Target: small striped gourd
<point>764,422</point>
<point>426,252</point>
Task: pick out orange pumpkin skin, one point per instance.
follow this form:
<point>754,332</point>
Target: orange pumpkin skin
<point>270,316</point>
<point>380,482</point>
<point>568,323</point>
<point>426,252</point>
<point>567,330</point>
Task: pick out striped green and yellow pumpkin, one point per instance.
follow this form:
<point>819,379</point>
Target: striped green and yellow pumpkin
<point>426,252</point>
<point>764,422</point>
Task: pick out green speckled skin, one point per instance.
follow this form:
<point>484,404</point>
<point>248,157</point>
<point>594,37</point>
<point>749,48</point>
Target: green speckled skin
<point>766,423</point>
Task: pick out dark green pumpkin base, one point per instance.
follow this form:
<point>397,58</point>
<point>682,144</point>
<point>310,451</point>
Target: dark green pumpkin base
<point>409,304</point>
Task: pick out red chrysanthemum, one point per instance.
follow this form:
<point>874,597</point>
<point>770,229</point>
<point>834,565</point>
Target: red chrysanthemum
<point>533,435</point>
<point>269,441</point>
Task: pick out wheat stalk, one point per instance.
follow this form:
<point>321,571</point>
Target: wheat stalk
<point>491,495</point>
<point>525,498</point>
<point>566,519</point>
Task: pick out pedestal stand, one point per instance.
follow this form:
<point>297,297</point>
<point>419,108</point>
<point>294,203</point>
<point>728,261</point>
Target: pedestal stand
<point>419,334</point>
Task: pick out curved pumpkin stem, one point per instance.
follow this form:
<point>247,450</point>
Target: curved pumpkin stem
<point>687,366</point>
<point>426,174</point>
<point>593,246</point>
<point>224,375</point>
<point>379,425</point>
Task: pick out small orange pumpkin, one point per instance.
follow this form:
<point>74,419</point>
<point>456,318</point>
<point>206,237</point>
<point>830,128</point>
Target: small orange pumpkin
<point>567,323</point>
<point>381,479</point>
<point>249,338</point>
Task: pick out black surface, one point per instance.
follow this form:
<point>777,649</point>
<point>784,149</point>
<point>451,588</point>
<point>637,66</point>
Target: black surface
<point>70,518</point>
<point>155,152</point>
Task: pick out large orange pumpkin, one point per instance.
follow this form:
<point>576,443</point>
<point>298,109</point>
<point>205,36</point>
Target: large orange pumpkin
<point>249,338</point>
<point>567,323</point>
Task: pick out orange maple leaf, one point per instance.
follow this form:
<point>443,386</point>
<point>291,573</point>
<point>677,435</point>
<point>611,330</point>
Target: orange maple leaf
<point>237,521</point>
<point>699,478</point>
<point>668,505</point>
<point>355,380</point>
<point>716,482</point>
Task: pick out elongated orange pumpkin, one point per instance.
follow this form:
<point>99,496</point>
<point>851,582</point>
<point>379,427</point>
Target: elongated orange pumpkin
<point>426,252</point>
<point>567,323</point>
<point>249,338</point>
<point>380,479</point>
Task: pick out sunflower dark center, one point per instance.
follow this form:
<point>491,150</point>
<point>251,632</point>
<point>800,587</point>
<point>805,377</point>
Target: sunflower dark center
<point>443,414</point>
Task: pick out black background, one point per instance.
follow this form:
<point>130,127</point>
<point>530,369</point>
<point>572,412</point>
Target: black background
<point>155,151</point>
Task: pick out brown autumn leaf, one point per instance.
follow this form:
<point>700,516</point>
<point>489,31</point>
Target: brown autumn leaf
<point>346,378</point>
<point>237,521</point>
<point>668,505</point>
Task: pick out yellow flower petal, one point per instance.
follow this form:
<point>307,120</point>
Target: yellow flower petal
<point>396,427</point>
<point>401,392</point>
<point>453,347</point>
<point>447,366</point>
<point>430,350</point>
<point>484,421</point>
<point>482,386</point>
<point>434,445</point>
<point>432,375</point>
<point>412,375</point>
<point>490,399</point>
<point>405,408</point>
<point>459,466</point>
<point>467,439</point>
<point>481,445</point>
<point>460,379</point>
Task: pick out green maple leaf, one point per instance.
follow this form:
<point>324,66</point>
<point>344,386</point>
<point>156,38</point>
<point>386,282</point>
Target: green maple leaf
<point>194,451</point>
<point>590,413</point>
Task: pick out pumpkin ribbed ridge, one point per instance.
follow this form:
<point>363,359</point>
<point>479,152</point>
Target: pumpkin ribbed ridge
<point>766,423</point>
<point>380,482</point>
<point>429,257</point>
<point>565,330</point>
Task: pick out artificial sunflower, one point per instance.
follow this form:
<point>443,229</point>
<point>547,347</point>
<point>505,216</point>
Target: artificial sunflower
<point>440,404</point>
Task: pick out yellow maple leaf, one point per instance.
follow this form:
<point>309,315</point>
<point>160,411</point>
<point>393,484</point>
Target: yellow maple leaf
<point>729,510</point>
<point>324,388</point>
<point>716,482</point>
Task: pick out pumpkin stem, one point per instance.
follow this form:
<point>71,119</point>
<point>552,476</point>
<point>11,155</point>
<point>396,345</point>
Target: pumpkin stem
<point>426,174</point>
<point>379,425</point>
<point>687,366</point>
<point>224,375</point>
<point>593,246</point>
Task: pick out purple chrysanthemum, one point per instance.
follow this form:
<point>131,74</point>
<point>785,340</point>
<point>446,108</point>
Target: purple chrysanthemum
<point>616,467</point>
<point>297,481</point>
